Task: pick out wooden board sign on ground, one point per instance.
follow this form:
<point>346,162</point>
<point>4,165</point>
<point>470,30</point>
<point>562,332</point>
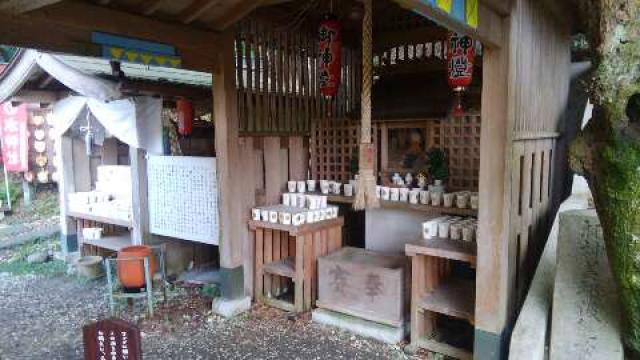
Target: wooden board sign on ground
<point>111,339</point>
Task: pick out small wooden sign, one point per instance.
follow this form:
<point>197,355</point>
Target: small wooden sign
<point>112,339</point>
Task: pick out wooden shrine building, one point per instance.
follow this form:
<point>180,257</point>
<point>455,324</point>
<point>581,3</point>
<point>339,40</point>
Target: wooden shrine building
<point>273,125</point>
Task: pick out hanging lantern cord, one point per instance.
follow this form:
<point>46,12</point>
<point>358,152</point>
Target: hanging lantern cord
<point>366,184</point>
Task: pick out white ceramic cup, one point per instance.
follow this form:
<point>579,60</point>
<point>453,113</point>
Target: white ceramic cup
<point>467,232</point>
<point>291,186</point>
<point>310,218</point>
<point>455,230</point>
<point>286,199</point>
<point>301,200</point>
<point>293,199</point>
<point>298,219</point>
<point>336,187</point>
<point>323,202</point>
<point>404,194</point>
<point>302,186</point>
<point>394,194</point>
<point>473,200</point>
<point>385,193</point>
<point>311,185</point>
<point>447,199</point>
<point>273,216</point>
<point>348,190</point>
<point>443,229</point>
<point>284,217</point>
<point>436,198</point>
<point>255,214</point>
<point>264,215</point>
<point>462,200</point>
<point>414,196</point>
<point>324,186</point>
<point>424,197</point>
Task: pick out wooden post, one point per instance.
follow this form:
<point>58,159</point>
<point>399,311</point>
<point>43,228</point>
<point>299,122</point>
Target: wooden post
<point>139,202</point>
<point>233,156</point>
<point>68,235</point>
<point>492,276</point>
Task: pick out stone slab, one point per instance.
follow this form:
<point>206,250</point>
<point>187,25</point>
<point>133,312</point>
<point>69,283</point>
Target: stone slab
<point>585,320</point>
<point>229,308</point>
<point>384,333</point>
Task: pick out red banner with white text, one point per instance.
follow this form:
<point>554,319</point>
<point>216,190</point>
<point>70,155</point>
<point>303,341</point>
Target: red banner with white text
<point>13,137</point>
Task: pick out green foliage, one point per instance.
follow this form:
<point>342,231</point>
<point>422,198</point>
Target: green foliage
<point>14,261</point>
<point>15,191</point>
<point>438,164</point>
<point>354,163</point>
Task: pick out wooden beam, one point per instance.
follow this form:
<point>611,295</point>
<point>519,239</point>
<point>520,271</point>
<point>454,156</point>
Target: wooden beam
<point>95,18</point>
<point>36,96</point>
<point>195,10</point>
<point>489,30</point>
<point>502,7</point>
<point>389,39</point>
<point>69,26</point>
<point>164,89</point>
<point>235,13</point>
<point>150,6</point>
<point>15,7</point>
<point>492,274</point>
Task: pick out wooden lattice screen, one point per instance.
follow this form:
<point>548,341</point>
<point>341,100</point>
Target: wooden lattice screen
<point>277,79</point>
<point>335,141</point>
<point>459,137</point>
<point>334,145</point>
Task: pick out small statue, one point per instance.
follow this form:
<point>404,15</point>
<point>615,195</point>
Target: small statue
<point>397,179</point>
<point>422,180</point>
<point>408,179</point>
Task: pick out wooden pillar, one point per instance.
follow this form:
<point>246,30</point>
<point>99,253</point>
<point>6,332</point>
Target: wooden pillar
<point>139,200</point>
<point>232,173</point>
<point>68,235</point>
<point>492,276</point>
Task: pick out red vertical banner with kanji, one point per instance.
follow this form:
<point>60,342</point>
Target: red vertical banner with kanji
<point>13,136</point>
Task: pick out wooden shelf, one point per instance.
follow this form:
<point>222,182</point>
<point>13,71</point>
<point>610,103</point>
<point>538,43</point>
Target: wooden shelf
<point>386,204</point>
<point>454,297</point>
<point>101,219</point>
<point>444,248</point>
<point>297,230</point>
<point>113,242</point>
<point>434,345</point>
<point>285,267</point>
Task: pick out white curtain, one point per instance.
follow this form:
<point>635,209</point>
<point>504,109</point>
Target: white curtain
<point>136,121</point>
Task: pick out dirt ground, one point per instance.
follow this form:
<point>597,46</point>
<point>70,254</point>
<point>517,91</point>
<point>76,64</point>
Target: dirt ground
<point>42,311</point>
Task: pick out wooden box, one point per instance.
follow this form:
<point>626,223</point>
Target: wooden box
<point>365,284</point>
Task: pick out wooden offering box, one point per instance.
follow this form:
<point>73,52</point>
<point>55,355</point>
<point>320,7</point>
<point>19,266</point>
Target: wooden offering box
<point>287,254</point>
<point>364,284</point>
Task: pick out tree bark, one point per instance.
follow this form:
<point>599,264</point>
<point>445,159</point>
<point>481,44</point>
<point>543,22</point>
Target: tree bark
<point>607,152</point>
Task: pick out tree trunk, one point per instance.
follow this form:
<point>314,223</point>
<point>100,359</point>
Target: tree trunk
<point>607,152</point>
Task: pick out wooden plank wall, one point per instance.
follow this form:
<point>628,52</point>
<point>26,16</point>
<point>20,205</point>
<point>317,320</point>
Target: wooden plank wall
<point>277,81</point>
<point>539,89</point>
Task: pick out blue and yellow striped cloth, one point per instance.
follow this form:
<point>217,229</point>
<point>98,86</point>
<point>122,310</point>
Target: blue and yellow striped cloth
<point>465,11</point>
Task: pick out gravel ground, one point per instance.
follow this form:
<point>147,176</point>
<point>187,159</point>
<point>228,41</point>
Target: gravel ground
<point>41,317</point>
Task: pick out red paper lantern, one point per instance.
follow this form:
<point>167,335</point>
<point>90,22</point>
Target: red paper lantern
<point>460,57</point>
<point>330,38</point>
<point>185,117</point>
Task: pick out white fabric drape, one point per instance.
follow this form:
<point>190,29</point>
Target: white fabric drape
<point>135,121</point>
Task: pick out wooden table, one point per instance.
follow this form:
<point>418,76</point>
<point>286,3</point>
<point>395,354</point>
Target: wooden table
<point>434,291</point>
<point>287,254</point>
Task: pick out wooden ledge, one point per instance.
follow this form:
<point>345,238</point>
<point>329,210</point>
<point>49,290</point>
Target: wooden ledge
<point>297,230</point>
<point>444,248</point>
